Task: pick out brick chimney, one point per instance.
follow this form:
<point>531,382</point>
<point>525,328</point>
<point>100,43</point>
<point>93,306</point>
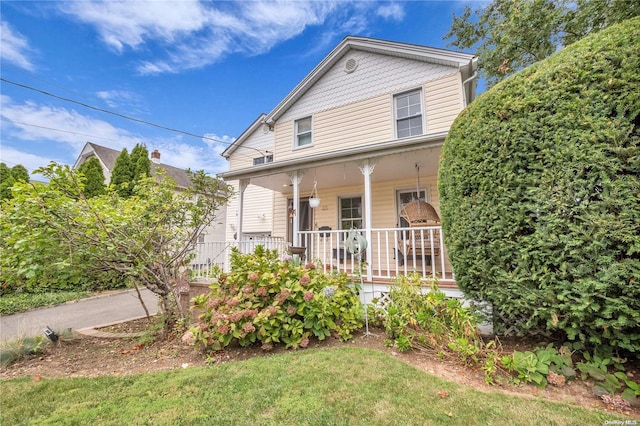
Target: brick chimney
<point>155,156</point>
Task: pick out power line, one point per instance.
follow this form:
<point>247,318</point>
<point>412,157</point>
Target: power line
<point>137,120</point>
<point>75,133</point>
<point>57,130</point>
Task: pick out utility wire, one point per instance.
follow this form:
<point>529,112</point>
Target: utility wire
<point>75,133</point>
<point>137,120</point>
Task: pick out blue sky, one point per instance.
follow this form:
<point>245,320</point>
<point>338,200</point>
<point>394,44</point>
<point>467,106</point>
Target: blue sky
<point>206,68</point>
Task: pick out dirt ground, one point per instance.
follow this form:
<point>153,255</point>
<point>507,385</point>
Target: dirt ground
<point>84,356</point>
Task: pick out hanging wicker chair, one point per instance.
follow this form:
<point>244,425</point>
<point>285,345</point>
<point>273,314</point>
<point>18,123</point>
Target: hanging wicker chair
<point>419,213</point>
<point>418,243</point>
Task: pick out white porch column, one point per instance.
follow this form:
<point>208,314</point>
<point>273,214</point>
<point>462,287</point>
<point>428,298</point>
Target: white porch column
<point>366,168</point>
<point>296,178</point>
<point>241,188</point>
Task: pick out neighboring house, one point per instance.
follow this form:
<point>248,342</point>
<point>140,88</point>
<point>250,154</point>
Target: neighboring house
<point>365,129</point>
<point>107,158</point>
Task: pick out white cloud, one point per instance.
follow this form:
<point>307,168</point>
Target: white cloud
<point>36,126</point>
<point>31,162</point>
<point>187,156</point>
<point>130,24</point>
<point>113,98</point>
<point>194,34</point>
<point>392,11</point>
<point>30,121</point>
<point>14,47</point>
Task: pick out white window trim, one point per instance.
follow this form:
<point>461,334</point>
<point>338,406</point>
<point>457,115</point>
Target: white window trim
<point>395,111</point>
<point>266,159</point>
<point>295,133</point>
<point>340,197</point>
<point>427,195</point>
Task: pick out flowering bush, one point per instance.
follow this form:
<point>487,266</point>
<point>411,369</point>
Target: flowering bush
<point>270,300</point>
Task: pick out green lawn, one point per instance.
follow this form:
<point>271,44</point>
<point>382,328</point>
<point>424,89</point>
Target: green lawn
<point>325,387</point>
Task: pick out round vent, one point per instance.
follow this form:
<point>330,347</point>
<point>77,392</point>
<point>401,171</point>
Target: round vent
<point>350,66</point>
<point>265,128</point>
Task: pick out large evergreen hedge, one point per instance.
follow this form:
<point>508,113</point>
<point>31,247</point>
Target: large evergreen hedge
<point>540,194</point>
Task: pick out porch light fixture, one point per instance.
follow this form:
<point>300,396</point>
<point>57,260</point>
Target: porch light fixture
<point>314,200</point>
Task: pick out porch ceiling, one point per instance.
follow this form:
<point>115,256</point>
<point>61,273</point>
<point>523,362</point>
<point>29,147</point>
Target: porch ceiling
<point>342,173</point>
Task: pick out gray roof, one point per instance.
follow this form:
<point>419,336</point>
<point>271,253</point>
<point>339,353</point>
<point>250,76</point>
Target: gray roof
<point>108,157</point>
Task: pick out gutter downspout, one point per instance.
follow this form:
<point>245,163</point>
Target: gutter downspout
<point>464,91</point>
<point>474,67</point>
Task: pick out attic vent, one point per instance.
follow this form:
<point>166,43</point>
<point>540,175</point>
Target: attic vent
<point>350,66</point>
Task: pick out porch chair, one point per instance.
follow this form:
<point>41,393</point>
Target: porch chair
<point>418,213</point>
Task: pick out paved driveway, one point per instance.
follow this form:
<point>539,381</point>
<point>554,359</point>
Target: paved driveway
<point>92,312</point>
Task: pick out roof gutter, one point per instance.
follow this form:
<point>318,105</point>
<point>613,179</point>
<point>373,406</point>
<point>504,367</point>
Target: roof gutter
<point>348,154</point>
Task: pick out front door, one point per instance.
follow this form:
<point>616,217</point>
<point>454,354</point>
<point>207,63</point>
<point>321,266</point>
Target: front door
<point>305,219</point>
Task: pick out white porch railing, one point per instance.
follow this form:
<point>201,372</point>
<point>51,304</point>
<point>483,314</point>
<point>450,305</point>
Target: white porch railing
<point>393,252</point>
<point>218,253</point>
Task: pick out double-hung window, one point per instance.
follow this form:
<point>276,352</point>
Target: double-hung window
<point>408,109</point>
<point>350,212</point>
<point>303,132</point>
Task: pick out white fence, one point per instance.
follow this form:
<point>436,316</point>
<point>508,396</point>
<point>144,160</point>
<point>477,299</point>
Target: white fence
<point>217,253</point>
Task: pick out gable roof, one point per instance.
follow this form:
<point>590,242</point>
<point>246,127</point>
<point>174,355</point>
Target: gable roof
<point>108,157</point>
<point>466,62</point>
<point>258,122</point>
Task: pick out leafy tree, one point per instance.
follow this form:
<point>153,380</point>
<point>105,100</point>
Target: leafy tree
<point>94,184</point>
<point>20,173</point>
<point>122,174</point>
<point>9,176</point>
<point>539,184</point>
<point>509,35</point>
<point>147,238</point>
<point>140,162</point>
<point>6,181</point>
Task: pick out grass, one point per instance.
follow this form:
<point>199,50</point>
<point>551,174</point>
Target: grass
<point>14,350</point>
<point>13,303</point>
<point>333,386</point>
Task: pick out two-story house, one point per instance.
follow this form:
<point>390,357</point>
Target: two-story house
<point>363,133</point>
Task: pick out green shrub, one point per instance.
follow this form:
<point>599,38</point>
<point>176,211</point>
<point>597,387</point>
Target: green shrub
<point>432,321</point>
<point>264,299</point>
<point>540,194</point>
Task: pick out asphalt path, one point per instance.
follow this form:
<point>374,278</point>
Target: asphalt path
<point>92,312</point>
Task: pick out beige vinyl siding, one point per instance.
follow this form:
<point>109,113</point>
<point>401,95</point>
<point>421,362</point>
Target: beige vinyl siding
<point>443,102</point>
<point>359,123</point>
<point>256,143</point>
<point>281,215</point>
<point>257,211</point>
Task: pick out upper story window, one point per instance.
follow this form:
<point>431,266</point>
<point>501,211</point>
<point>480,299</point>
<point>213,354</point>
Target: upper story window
<point>263,160</point>
<point>408,109</point>
<point>351,212</point>
<point>303,132</point>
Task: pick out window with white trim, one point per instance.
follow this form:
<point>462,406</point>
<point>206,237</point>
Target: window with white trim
<point>408,114</point>
<point>263,160</point>
<point>303,132</point>
<point>405,197</point>
<point>350,212</point>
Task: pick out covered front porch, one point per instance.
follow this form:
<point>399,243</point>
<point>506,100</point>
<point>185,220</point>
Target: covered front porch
<point>357,189</point>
